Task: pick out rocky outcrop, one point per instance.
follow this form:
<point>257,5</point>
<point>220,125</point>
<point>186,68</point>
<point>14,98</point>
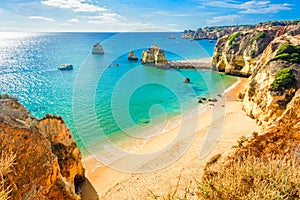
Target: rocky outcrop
<point>261,102</point>
<point>215,32</point>
<point>97,49</point>
<point>132,56</point>
<point>238,53</point>
<point>154,55</point>
<point>48,161</point>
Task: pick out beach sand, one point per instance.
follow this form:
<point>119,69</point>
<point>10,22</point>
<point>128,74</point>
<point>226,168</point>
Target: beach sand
<point>225,118</point>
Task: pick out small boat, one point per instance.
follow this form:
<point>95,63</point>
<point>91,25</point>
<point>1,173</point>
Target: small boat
<point>66,67</point>
<point>172,37</point>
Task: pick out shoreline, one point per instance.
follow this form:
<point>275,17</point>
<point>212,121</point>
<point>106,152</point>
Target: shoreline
<point>105,179</point>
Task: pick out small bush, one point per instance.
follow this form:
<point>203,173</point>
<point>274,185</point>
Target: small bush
<point>285,79</point>
<point>260,35</point>
<point>232,37</point>
<point>288,52</point>
<point>254,178</point>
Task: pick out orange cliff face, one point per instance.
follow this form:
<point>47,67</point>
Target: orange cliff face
<point>48,161</point>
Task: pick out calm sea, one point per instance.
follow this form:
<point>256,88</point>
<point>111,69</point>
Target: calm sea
<point>105,95</point>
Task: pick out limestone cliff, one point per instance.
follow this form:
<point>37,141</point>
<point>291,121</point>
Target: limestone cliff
<point>154,55</point>
<point>239,52</point>
<point>261,101</point>
<point>215,32</point>
<point>48,161</point>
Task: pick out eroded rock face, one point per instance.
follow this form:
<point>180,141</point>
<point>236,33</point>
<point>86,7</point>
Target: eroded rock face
<point>48,161</point>
<point>260,102</point>
<point>154,55</point>
<point>97,49</point>
<point>239,55</point>
<point>241,52</point>
<point>132,56</point>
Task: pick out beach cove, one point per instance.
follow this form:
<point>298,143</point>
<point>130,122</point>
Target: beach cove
<point>113,184</point>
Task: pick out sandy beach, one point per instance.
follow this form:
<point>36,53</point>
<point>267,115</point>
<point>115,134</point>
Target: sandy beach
<point>217,131</point>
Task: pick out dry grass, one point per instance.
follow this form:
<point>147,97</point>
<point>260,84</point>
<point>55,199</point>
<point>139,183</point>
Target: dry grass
<point>248,178</point>
<point>6,163</point>
<point>253,178</point>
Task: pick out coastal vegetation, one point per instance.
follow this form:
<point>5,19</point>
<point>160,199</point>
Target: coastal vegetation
<point>260,35</point>
<point>288,52</point>
<point>6,163</point>
<point>250,177</point>
<point>285,79</point>
<point>232,37</point>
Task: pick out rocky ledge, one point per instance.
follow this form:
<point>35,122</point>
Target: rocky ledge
<point>48,161</point>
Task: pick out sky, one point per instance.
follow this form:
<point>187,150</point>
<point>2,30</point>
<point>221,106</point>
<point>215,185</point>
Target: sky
<point>138,15</point>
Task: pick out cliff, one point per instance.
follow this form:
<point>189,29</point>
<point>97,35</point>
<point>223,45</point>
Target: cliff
<point>215,32</point>
<point>264,165</point>
<point>264,100</point>
<point>48,161</point>
<point>154,55</point>
<point>261,54</point>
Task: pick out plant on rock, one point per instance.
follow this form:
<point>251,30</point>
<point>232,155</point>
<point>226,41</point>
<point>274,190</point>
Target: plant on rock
<point>285,79</point>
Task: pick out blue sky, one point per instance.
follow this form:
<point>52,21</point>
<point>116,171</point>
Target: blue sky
<point>130,15</point>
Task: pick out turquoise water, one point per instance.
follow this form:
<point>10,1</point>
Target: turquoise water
<point>97,99</point>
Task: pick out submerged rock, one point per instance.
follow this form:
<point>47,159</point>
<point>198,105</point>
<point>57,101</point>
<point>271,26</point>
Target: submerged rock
<point>97,49</point>
<point>48,161</point>
<point>187,80</point>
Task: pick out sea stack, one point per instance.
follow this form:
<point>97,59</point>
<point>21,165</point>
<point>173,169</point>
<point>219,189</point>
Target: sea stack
<point>154,55</point>
<point>132,56</point>
<point>98,49</point>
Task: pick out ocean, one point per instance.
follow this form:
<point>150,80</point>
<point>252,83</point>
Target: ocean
<point>106,99</point>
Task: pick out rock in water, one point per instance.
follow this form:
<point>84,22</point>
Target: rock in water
<point>154,55</point>
<point>187,80</point>
<point>48,161</point>
<point>97,49</point>
<point>132,56</point>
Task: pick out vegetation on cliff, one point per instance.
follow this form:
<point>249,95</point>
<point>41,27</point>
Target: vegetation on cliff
<point>285,79</point>
<point>253,178</point>
<point>288,52</point>
<point>6,163</point>
<point>232,37</point>
<point>260,35</point>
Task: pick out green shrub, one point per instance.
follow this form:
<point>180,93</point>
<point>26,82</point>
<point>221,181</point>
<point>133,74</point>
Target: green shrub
<point>288,52</point>
<point>285,79</point>
<point>4,96</point>
<point>233,36</point>
<point>260,35</point>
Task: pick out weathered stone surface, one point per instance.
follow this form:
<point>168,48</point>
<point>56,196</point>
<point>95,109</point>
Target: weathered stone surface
<point>154,55</point>
<point>97,49</point>
<point>48,162</point>
<point>242,54</point>
<point>260,102</point>
<point>132,56</point>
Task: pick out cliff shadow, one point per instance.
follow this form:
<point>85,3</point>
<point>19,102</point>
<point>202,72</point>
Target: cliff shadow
<point>88,191</point>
